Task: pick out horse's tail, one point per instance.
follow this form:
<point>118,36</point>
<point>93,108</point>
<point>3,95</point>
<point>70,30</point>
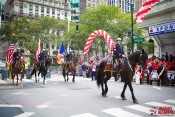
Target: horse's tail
<point>98,77</point>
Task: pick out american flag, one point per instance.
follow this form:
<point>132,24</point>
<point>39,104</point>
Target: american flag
<point>10,52</point>
<point>143,11</point>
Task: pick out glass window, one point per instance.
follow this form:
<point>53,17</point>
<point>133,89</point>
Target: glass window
<point>30,14</point>
<point>89,4</point>
<point>21,12</point>
<point>36,0</point>
<point>52,3</point>
<point>21,5</point>
<point>65,14</point>
<point>42,1</point>
<point>36,14</point>
<point>53,11</point>
<point>42,15</point>
<point>58,12</point>
<point>42,9</point>
<point>48,10</point>
<point>30,7</point>
<point>36,8</point>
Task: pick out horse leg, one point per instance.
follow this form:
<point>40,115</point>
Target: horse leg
<point>21,80</point>
<point>73,79</point>
<point>44,80</point>
<point>123,92</point>
<point>103,91</point>
<point>17,80</point>
<point>67,76</point>
<point>106,87</point>
<point>132,93</point>
<point>64,75</point>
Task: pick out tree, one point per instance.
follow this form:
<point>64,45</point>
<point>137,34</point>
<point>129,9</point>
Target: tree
<point>107,18</point>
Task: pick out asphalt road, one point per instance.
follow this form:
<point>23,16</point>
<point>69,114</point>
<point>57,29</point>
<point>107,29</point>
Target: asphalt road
<point>80,99</point>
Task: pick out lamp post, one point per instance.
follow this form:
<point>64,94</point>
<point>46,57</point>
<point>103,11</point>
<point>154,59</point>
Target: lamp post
<point>132,27</point>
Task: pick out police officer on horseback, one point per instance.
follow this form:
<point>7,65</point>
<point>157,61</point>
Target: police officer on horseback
<point>69,57</point>
<point>16,57</point>
<point>42,56</point>
<point>118,53</point>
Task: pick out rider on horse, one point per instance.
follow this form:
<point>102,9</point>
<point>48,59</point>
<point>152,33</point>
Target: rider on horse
<point>42,56</point>
<point>69,58</point>
<point>16,57</point>
<point>118,53</point>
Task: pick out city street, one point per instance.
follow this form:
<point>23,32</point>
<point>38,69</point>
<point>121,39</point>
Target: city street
<point>80,99</point>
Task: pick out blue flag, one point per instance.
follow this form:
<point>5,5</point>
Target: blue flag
<point>62,49</point>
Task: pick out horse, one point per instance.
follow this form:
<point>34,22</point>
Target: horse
<point>70,67</point>
<point>127,73</point>
<point>41,68</point>
<point>19,68</point>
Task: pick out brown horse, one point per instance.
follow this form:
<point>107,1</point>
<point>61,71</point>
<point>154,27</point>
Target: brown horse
<point>19,68</point>
<point>70,67</point>
<point>128,70</point>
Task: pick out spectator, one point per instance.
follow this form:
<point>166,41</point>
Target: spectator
<point>160,71</point>
<point>153,57</point>
<point>171,58</point>
<point>149,73</point>
<point>166,57</point>
<point>93,72</point>
<point>83,66</point>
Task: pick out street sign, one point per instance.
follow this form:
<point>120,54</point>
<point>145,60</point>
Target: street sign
<point>138,40</point>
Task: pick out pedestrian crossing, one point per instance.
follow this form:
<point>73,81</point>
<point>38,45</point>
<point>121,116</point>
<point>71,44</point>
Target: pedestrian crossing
<point>132,110</point>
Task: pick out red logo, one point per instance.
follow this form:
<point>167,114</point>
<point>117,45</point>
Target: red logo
<point>165,111</point>
<point>151,30</point>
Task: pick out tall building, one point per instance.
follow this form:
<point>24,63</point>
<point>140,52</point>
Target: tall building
<point>78,6</point>
<point>36,8</point>
<point>123,4</point>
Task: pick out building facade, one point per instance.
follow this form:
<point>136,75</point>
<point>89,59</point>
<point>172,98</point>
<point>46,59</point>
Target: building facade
<point>123,4</point>
<point>78,7</point>
<point>158,23</point>
<point>34,9</point>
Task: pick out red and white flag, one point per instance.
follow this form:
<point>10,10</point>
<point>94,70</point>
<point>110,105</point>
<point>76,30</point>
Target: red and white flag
<point>10,52</point>
<point>143,11</point>
<point>37,50</point>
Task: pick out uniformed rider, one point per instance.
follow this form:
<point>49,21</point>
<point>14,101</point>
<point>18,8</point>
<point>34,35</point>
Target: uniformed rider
<point>118,53</point>
<point>69,57</point>
<point>42,56</point>
<point>16,57</point>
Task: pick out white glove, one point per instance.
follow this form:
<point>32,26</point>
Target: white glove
<point>124,56</point>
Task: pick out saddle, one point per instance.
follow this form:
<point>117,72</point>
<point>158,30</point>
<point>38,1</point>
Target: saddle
<point>109,66</point>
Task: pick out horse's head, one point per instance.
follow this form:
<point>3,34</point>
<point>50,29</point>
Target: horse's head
<point>76,59</point>
<point>139,57</point>
<point>143,58</point>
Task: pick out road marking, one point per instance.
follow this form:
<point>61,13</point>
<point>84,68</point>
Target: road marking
<point>140,108</point>
<point>19,93</point>
<point>3,82</point>
<point>170,101</point>
<point>65,95</point>
<point>5,105</point>
<point>84,115</point>
<point>117,112</point>
<point>160,104</point>
<point>157,88</point>
<point>25,114</point>
<point>45,105</point>
<point>118,97</point>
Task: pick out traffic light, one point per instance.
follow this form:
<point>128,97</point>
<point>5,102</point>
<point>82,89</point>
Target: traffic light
<point>76,27</point>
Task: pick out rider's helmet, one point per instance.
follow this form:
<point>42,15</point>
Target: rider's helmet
<point>118,39</point>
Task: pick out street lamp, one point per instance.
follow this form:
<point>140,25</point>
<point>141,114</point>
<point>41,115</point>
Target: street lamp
<point>132,27</point>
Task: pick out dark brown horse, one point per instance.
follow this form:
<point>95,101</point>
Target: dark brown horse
<point>70,67</point>
<point>128,70</point>
<point>19,68</point>
<point>41,68</point>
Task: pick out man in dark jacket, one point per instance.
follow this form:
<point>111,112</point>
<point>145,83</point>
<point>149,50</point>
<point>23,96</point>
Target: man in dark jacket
<point>118,53</point>
<point>16,57</point>
<point>159,70</point>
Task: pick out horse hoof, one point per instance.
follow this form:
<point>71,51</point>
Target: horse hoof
<point>135,101</point>
<point>104,95</point>
<point>123,97</point>
<point>21,85</point>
